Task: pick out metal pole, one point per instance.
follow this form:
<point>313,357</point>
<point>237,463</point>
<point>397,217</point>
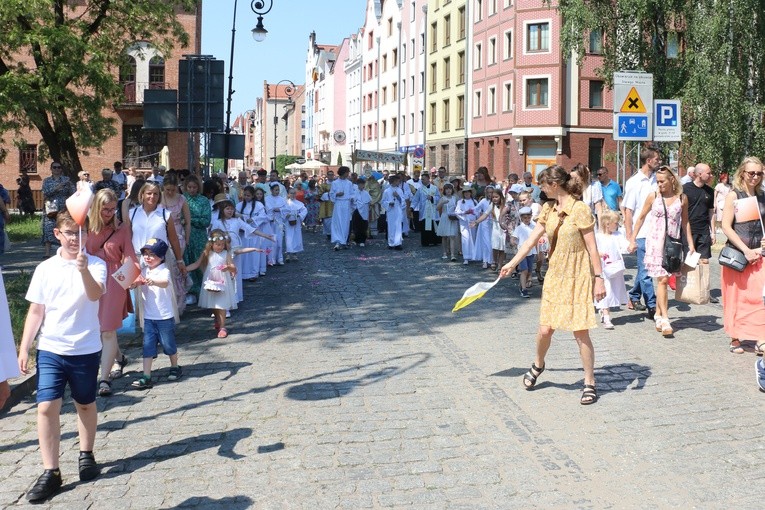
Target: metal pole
<point>230,93</point>
<point>276,124</point>
<point>424,88</point>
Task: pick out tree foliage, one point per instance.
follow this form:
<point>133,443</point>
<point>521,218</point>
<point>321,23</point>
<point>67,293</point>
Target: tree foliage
<point>59,64</point>
<point>718,73</point>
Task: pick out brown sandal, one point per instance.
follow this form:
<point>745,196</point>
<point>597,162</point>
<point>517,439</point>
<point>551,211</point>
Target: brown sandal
<point>738,348</point>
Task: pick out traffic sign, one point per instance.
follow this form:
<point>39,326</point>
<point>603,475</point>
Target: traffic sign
<point>667,126</point>
<point>632,103</point>
<point>632,127</point>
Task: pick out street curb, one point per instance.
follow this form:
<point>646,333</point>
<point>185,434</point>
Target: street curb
<point>20,391</point>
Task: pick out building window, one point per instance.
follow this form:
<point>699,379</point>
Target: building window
<point>507,104</point>
<point>461,67</point>
<point>371,40</point>
<point>28,159</point>
<point>538,37</point>
<point>412,47</point>
<point>673,45</point>
<point>422,81</point>
<point>478,10</point>
<point>492,57</point>
<point>491,152</point>
<point>492,7</point>
<point>595,153</point>
<point>491,106</point>
<point>394,92</point>
<point>411,123</point>
<point>390,27</point>
<point>394,58</point>
<point>536,92</point>
<point>446,114</point>
<point>127,78</point>
<point>433,36</point>
<point>403,88</point>
<point>477,104</point>
<point>384,129</point>
<point>157,73</point>
<point>462,22</point>
<point>478,56</point>
<point>447,30</point>
<point>403,124</point>
<point>433,77</point>
<point>508,3</point>
<point>385,63</point>
<point>393,127</point>
<point>596,94</point>
<point>460,112</point>
<point>432,117</point>
<point>508,51</point>
<point>412,11</point>
<point>137,144</point>
<point>422,121</point>
<point>447,72</point>
<point>459,162</point>
<point>384,94</point>
<point>422,43</point>
<point>411,86</point>
<point>596,42</point>
<point>403,53</point>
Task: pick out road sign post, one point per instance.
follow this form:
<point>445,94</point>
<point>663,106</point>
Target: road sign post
<point>667,126</point>
<point>633,106</point>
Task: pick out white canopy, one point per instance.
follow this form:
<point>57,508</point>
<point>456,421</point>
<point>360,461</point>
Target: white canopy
<point>310,164</point>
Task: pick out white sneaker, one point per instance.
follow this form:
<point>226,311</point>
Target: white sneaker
<point>485,265</point>
<point>444,257</point>
<point>465,263</point>
<point>607,322</point>
<point>362,244</point>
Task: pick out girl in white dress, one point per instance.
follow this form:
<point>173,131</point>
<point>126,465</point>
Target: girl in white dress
<point>611,243</point>
<point>217,292</point>
<point>448,225</point>
<point>465,211</point>
<point>483,235</point>
<point>262,223</point>
<point>293,213</point>
<point>274,205</point>
<point>247,210</point>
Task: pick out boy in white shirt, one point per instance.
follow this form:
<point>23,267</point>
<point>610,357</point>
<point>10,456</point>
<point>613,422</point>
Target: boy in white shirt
<point>63,296</point>
<point>158,314</point>
<point>360,218</point>
<point>520,234</point>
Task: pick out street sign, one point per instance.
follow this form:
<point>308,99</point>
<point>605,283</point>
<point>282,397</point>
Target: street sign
<point>632,127</point>
<point>667,127</point>
<point>632,103</point>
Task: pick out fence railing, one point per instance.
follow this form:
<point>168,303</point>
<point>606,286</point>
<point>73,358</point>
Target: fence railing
<point>133,90</point>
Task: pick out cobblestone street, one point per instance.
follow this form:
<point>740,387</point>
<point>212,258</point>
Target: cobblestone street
<point>346,382</point>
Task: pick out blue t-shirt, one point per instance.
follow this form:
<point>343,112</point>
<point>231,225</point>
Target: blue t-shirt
<point>611,193</point>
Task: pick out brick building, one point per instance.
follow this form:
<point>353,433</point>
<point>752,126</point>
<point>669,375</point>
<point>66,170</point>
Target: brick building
<point>148,69</point>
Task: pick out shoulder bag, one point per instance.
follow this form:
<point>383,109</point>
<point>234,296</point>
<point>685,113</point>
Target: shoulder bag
<point>733,258</point>
<point>672,259</point>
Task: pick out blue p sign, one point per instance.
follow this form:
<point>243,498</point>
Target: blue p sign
<point>666,114</point>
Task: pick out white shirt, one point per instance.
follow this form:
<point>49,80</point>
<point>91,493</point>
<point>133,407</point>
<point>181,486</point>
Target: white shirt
<point>70,326</point>
<point>145,227</point>
<point>522,232</point>
<point>339,185</point>
<point>361,200</point>
<point>157,301</point>
<point>636,191</point>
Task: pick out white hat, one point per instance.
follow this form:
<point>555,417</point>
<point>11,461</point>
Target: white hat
<point>524,210</point>
<point>517,188</point>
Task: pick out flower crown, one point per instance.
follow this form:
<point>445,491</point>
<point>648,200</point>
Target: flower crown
<point>218,238</point>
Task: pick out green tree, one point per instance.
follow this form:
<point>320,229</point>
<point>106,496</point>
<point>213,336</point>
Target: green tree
<point>59,64</point>
<point>283,160</point>
<point>339,159</point>
<point>717,71</point>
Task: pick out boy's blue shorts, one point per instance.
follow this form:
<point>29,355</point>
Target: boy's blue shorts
<point>159,331</point>
<point>54,371</point>
<point>527,264</point>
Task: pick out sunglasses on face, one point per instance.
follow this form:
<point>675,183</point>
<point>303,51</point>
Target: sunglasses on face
<point>754,174</point>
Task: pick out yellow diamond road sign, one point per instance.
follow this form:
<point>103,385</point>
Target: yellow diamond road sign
<point>632,103</point>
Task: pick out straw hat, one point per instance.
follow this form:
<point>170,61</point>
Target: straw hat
<point>220,198</point>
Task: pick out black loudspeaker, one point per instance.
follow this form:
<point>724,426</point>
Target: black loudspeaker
<point>160,109</point>
<point>217,147</point>
<point>200,95</point>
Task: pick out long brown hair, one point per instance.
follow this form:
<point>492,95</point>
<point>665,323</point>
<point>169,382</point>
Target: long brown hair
<point>557,174</point>
<point>205,256</point>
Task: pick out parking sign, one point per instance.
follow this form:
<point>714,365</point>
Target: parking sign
<point>667,127</point>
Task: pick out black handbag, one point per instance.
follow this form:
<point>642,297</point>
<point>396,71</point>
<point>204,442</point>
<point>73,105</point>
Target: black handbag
<point>733,258</point>
<point>672,260</point>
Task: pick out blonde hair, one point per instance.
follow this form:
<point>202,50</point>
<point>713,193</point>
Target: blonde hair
<point>606,218</point>
<point>146,186</point>
<point>739,183</point>
<point>677,188</point>
<point>205,257</point>
<point>103,197</point>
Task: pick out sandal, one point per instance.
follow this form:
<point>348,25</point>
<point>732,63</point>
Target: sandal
<point>589,395</point>
<point>530,378</point>
<point>222,333</point>
<point>540,279</point>
<point>142,383</point>
<point>118,367</point>
<point>104,388</point>
<point>738,348</point>
<point>494,267</point>
<point>759,349</point>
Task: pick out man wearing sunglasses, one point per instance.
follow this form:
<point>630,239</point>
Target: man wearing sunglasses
<point>612,192</point>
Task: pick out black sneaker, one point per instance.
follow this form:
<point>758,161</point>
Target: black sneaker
<point>638,306</point>
<point>175,373</point>
<point>651,313</point>
<point>525,293</point>
<point>46,486</point>
<point>88,467</point>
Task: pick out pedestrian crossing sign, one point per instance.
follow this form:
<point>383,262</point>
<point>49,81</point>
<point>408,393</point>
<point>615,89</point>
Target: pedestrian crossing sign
<point>632,103</point>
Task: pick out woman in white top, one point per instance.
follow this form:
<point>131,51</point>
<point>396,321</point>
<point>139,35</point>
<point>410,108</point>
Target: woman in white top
<point>149,220</point>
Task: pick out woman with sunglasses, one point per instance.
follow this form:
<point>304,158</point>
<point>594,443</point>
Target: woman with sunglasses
<point>666,207</point>
<point>56,189</point>
<point>743,310</point>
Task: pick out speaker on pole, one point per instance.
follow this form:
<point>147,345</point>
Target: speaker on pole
<point>200,94</point>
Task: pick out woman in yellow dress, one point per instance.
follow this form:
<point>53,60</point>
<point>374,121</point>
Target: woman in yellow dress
<point>573,279</point>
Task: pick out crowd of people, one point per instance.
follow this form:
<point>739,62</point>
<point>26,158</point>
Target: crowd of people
<point>197,242</point>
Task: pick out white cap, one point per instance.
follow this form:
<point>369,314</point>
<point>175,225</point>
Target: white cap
<point>517,188</point>
<point>524,210</point>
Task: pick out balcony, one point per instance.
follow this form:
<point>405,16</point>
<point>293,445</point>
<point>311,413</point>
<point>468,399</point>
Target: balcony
<point>134,91</point>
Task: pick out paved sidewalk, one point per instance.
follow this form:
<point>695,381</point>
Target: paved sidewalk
<point>347,382</point>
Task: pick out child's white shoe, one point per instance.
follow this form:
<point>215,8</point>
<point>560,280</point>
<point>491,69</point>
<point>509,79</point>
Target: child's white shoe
<point>607,322</point>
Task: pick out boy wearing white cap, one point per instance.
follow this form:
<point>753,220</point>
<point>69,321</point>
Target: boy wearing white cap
<point>520,234</point>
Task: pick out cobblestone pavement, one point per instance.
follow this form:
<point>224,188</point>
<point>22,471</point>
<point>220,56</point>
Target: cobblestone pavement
<point>347,382</point>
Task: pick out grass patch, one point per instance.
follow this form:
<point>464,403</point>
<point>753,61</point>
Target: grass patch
<point>16,288</point>
<point>24,228</point>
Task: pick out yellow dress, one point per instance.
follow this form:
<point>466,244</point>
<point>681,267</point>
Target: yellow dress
<point>567,301</point>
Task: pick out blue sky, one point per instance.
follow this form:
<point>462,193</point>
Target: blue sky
<point>282,54</point>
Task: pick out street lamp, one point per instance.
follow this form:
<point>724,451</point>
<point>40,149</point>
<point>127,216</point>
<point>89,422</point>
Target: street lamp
<point>259,34</point>
<point>289,90</point>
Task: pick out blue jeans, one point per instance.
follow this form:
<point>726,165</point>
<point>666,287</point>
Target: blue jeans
<point>55,371</point>
<point>643,283</point>
<point>162,331</point>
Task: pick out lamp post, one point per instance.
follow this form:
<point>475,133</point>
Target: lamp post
<point>289,90</point>
<point>261,8</point>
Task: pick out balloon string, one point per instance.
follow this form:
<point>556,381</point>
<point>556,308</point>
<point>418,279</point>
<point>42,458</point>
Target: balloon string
<point>80,237</point>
